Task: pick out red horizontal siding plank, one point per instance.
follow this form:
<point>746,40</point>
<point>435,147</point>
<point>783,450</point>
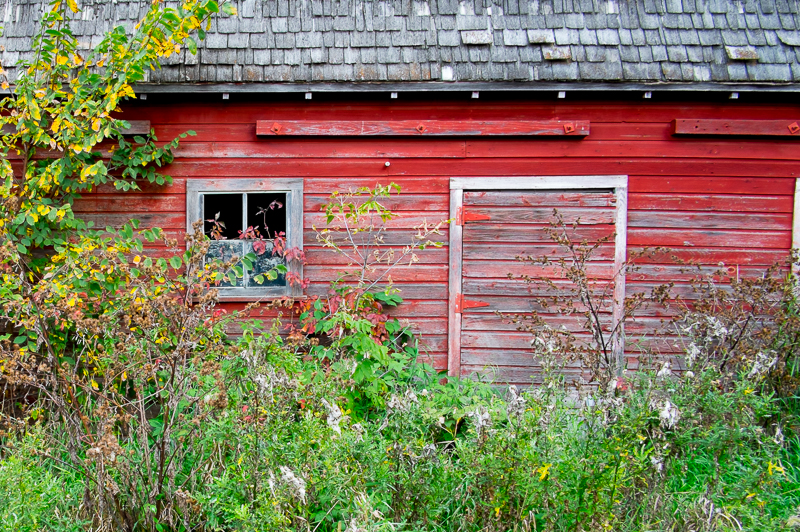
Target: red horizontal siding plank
<point>324,149</point>
<point>429,184</point>
<point>376,170</point>
<point>711,184</point>
<point>422,127</point>
<point>396,202</point>
<point>114,219</point>
<point>121,202</point>
<point>521,215</point>
<point>512,251</point>
<point>193,115</point>
<point>406,290</point>
<point>407,220</point>
<point>714,220</point>
<point>710,203</point>
<point>628,131</point>
<point>719,149</point>
<point>715,238</point>
<point>538,199</point>
<point>762,257</point>
<point>328,257</point>
<point>427,273</point>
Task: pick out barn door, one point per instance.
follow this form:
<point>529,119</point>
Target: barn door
<point>494,228</point>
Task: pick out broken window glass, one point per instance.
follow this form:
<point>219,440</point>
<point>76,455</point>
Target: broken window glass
<point>242,223</point>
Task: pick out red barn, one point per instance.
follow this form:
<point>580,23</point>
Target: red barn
<point>672,123</point>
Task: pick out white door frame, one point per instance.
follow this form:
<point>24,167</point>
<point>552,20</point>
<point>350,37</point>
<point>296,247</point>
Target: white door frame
<point>619,183</point>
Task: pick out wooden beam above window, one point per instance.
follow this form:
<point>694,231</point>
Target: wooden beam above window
<point>423,128</point>
<point>761,128</point>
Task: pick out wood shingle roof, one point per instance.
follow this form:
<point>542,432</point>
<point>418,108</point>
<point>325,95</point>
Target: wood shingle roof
<point>406,41</point>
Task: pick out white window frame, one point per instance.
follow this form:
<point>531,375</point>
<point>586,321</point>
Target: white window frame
<point>617,183</point>
<point>293,188</point>
<point>796,222</point>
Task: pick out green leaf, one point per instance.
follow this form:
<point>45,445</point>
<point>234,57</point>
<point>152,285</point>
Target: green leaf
<point>175,262</point>
<point>19,340</point>
<point>192,45</point>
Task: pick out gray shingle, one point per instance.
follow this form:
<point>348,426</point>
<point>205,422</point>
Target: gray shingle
<point>556,53</point>
<point>318,40</point>
<point>279,25</point>
<point>587,37</point>
<point>607,37</point>
<point>515,37</point>
<point>659,53</point>
<point>677,54</point>
<point>641,71</point>
<point>595,54</point>
<point>541,36</point>
<point>477,37</point>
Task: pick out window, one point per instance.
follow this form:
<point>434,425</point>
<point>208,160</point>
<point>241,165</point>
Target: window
<point>245,216</point>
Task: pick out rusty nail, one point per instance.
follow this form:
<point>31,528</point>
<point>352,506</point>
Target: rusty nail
<point>794,127</point>
<point>276,128</point>
<point>569,128</point>
<point>421,128</point>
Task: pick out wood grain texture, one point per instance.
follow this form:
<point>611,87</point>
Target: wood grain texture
<point>491,275</point>
<point>714,199</point>
<point>764,128</point>
<point>422,128</point>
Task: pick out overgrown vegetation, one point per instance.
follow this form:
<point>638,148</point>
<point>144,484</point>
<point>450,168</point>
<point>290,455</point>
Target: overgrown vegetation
<point>127,407</point>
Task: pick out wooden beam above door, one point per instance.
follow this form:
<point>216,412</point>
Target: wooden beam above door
<point>424,128</point>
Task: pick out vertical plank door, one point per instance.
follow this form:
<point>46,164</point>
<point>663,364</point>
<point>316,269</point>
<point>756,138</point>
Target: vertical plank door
<point>500,230</point>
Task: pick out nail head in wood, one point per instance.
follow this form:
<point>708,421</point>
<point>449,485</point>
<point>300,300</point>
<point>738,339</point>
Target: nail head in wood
<point>562,94</point>
<point>648,95</point>
<point>387,164</point>
<point>308,96</point>
<point>794,127</point>
<point>394,95</point>
<point>476,95</point>
<point>226,96</point>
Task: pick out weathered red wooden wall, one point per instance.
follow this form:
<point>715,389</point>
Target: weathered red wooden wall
<point>712,200</point>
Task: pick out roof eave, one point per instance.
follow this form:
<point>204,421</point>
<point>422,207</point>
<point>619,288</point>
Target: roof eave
<point>444,86</point>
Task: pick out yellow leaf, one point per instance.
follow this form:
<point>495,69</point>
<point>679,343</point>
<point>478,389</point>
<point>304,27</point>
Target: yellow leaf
<point>96,124</point>
<point>62,59</point>
<point>544,471</point>
<point>73,5</point>
<point>56,125</point>
<point>35,111</point>
<point>774,467</point>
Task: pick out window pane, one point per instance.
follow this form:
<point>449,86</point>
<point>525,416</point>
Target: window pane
<point>225,250</point>
<point>267,212</point>
<point>265,261</point>
<point>229,207</point>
